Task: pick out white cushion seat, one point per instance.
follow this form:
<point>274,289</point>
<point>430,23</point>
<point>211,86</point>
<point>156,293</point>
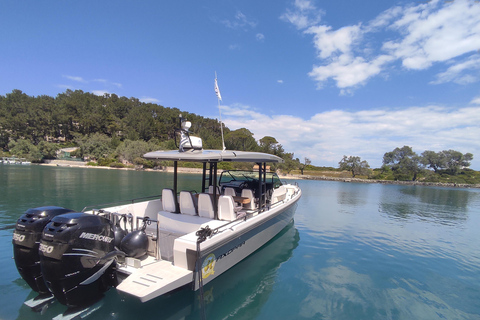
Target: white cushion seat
<point>210,190</point>
<point>279,194</point>
<point>188,204</point>
<point>248,193</point>
<point>168,200</point>
<point>229,192</point>
<point>205,206</point>
<point>227,209</point>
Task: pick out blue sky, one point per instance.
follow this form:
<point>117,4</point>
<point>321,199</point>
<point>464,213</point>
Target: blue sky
<point>325,78</point>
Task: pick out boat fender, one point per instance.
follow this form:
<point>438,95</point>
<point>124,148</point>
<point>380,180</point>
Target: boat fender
<point>135,244</point>
<point>118,232</point>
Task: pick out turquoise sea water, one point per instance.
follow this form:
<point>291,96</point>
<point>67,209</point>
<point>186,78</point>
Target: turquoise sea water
<point>354,251</point>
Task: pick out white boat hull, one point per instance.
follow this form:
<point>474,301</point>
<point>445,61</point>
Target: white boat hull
<point>232,243</point>
<point>217,260</point>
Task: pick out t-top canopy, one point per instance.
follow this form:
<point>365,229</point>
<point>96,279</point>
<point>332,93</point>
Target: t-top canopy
<point>213,156</point>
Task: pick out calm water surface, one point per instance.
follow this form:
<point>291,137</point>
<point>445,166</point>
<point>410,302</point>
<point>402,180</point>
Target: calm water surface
<point>354,251</point>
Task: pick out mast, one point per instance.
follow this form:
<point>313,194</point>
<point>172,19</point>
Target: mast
<point>219,98</point>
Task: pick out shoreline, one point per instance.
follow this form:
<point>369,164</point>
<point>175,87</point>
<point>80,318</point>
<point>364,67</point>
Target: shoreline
<point>410,183</point>
<point>63,163</point>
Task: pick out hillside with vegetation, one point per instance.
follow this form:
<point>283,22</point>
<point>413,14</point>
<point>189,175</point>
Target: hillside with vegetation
<point>109,130</point>
<point>116,131</point>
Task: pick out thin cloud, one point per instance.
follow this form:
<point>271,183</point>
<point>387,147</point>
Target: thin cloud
<point>86,85</point>
<point>75,78</point>
<point>329,135</point>
<point>464,72</point>
<point>260,37</point>
<point>436,32</point>
<point>108,83</point>
<point>304,14</point>
<point>240,22</point>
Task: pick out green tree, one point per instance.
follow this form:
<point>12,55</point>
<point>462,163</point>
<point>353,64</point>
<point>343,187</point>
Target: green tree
<point>240,139</point>
<point>130,150</point>
<point>48,150</point>
<point>95,146</point>
<point>288,165</point>
<point>455,160</point>
<point>404,163</point>
<point>449,160</point>
<point>25,149</point>
<point>302,166</point>
<point>433,160</point>
<point>268,144</point>
<point>355,165</point>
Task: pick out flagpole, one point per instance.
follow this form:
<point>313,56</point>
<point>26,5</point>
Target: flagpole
<point>219,98</point>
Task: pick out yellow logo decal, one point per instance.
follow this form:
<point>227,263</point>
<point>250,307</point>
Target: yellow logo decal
<point>208,266</point>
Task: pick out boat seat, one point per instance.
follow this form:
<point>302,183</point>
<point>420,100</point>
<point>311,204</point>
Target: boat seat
<point>229,192</point>
<point>168,200</point>
<point>181,223</point>
<point>205,206</point>
<point>210,190</point>
<point>188,204</point>
<point>248,193</point>
<point>278,194</point>
<point>226,208</point>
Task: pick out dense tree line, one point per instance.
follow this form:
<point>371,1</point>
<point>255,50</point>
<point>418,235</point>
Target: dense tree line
<point>407,165</point>
<point>404,164</point>
<point>109,127</point>
<point>77,113</point>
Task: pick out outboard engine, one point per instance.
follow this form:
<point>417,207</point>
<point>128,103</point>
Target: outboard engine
<point>77,258</point>
<point>26,241</point>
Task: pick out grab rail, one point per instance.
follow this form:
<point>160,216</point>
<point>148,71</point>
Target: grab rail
<point>249,215</point>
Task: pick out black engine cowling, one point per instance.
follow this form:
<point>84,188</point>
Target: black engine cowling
<point>26,241</point>
<point>76,258</point>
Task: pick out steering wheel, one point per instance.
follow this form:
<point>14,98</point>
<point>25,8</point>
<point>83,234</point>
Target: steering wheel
<point>243,185</point>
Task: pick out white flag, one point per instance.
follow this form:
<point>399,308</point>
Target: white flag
<point>217,91</point>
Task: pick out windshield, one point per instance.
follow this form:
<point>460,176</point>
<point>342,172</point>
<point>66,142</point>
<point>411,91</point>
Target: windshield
<point>250,178</point>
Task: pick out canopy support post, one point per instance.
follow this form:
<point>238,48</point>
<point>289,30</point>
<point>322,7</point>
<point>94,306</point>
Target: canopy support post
<point>175,191</point>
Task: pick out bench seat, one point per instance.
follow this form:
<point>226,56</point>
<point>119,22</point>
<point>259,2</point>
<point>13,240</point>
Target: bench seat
<point>184,223</point>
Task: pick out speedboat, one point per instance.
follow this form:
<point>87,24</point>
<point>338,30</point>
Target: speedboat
<point>152,246</point>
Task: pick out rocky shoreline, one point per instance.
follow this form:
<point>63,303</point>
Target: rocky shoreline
<point>409,183</point>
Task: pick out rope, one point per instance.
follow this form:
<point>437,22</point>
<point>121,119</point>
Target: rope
<point>202,235</point>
